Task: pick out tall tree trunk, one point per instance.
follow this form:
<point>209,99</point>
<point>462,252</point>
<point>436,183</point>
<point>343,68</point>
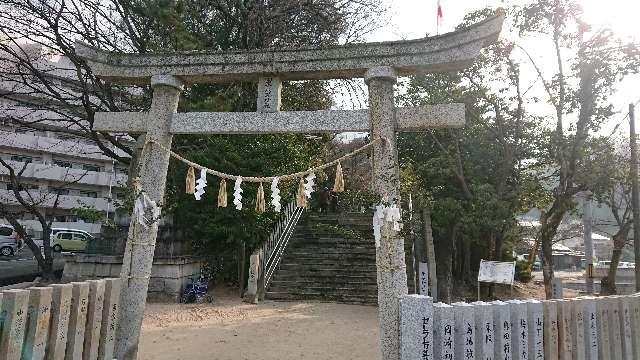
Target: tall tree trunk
<point>466,266</point>
<point>549,223</point>
<point>619,241</point>
<point>431,256</point>
<point>446,251</point>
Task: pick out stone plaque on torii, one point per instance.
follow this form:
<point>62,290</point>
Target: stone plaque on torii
<point>378,63</point>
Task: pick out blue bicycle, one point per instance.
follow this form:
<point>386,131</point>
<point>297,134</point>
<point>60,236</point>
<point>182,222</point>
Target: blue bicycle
<point>196,291</point>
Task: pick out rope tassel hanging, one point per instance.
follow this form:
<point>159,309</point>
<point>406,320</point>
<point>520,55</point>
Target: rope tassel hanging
<point>190,181</point>
<point>260,205</point>
<point>301,197</point>
<point>339,184</point>
<point>222,194</point>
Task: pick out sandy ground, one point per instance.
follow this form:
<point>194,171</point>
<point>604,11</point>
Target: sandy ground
<point>233,330</point>
<point>230,329</point>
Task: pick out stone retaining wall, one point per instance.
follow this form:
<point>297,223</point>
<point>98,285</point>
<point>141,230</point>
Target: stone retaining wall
<point>582,328</point>
<point>168,276</point>
<point>62,321</point>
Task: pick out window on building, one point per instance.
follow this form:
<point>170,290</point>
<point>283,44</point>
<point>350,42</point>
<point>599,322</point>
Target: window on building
<point>62,163</point>
<point>60,191</point>
<point>22,158</point>
<point>91,194</point>
<point>89,167</point>
<point>22,187</point>
<point>120,195</point>
<point>123,171</point>
<point>25,130</point>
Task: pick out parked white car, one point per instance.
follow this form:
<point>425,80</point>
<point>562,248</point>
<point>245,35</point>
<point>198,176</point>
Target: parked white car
<point>9,240</point>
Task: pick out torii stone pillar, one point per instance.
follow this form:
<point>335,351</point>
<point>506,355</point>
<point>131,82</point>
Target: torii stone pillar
<point>390,265</point>
<point>141,242</point>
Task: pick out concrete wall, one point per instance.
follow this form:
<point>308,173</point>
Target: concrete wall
<point>168,276</point>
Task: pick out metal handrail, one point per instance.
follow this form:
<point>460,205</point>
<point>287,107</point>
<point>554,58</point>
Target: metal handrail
<point>277,242</point>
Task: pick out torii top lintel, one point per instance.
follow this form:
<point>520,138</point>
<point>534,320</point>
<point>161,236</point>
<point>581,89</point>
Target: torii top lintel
<point>449,52</point>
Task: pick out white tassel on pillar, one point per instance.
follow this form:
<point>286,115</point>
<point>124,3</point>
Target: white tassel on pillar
<point>201,183</point>
<point>237,193</point>
<point>275,195</point>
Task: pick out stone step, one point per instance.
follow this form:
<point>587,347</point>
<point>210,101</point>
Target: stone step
<point>316,249</point>
<point>331,290</point>
<point>300,240</point>
<point>330,257</point>
<point>310,277</point>
<point>308,282</point>
<point>342,298</point>
<point>319,263</point>
<point>328,268</point>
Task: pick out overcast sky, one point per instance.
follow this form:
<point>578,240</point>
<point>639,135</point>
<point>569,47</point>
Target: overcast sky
<point>410,19</point>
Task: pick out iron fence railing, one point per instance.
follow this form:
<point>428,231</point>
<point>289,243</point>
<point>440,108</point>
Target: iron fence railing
<point>276,243</point>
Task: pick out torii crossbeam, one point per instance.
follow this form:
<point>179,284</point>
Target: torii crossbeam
<point>378,63</point>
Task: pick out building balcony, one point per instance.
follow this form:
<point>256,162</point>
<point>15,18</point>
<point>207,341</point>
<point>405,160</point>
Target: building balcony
<point>52,145</point>
<point>63,174</point>
<point>44,199</point>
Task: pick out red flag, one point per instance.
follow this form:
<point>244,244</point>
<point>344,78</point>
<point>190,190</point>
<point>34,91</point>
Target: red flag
<point>439,17</point>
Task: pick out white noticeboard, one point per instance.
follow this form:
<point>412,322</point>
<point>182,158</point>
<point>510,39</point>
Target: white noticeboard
<point>423,284</point>
<point>497,272</point>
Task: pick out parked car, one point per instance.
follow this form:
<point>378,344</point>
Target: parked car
<point>69,240</point>
<point>9,240</point>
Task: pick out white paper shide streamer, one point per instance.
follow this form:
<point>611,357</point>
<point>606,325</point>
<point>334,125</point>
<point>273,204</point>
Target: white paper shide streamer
<point>237,193</point>
<point>142,205</point>
<point>275,195</point>
<point>201,183</point>
<point>308,186</point>
<point>389,214</point>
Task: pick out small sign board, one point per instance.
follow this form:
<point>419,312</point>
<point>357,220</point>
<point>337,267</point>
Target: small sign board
<point>497,272</point>
<point>423,271</point>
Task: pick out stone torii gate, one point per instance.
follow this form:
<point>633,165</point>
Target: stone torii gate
<point>378,63</point>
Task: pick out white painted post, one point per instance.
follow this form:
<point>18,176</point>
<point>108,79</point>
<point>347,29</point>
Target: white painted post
<point>60,312</point>
<point>551,330</point>
<point>485,346</point>
<point>464,331</point>
<point>254,274</point>
<point>77,320</point>
<point>519,330</point>
<point>535,318</point>
<point>565,336</point>
<point>15,304</point>
<point>634,302</point>
<point>109,321</point>
<point>625,327</point>
<point>502,330</point>
<point>416,327</point>
<point>604,323</point>
<point>38,318</point>
<point>577,330</point>
<point>615,336</point>
<point>590,328</point>
<point>94,320</point>
<point>444,342</point>
<point>557,291</point>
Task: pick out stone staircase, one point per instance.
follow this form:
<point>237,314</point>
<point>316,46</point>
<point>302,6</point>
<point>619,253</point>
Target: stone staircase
<point>330,257</point>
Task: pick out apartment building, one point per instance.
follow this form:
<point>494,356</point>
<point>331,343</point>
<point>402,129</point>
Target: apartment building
<point>62,172</point>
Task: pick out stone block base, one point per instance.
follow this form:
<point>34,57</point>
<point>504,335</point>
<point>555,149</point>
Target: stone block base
<point>169,276</point>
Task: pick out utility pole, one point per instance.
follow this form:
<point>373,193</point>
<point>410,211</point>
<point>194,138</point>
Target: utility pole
<point>588,241</point>
<point>634,193</point>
